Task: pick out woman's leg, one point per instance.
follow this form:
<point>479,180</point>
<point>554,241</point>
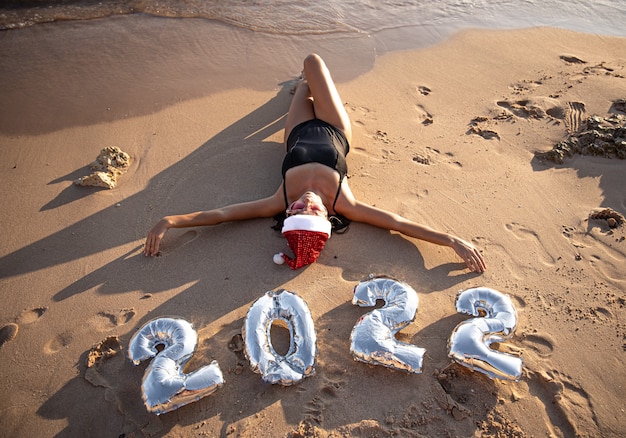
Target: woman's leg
<point>300,109</point>
<point>327,104</point>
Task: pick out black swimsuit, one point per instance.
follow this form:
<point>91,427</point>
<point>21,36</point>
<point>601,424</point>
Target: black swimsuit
<point>316,141</point>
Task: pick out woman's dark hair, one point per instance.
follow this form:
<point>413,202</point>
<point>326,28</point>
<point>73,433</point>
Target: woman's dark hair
<point>339,223</point>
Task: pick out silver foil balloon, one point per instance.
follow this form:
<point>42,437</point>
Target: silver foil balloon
<point>373,336</point>
<point>299,362</point>
<point>469,344</point>
<point>165,387</point>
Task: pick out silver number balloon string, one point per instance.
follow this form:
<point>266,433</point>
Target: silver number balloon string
<point>469,344</point>
<point>165,387</point>
<point>373,336</point>
<point>299,362</point>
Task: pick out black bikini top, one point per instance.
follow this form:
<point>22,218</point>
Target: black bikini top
<point>334,201</point>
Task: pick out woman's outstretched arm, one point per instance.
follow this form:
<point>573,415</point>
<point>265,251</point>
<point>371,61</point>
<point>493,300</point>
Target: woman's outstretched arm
<point>361,212</point>
<point>266,207</point>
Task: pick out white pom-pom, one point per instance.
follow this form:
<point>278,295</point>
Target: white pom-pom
<point>278,258</point>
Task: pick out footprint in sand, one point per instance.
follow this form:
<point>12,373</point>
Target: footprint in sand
<point>314,410</point>
<point>598,250</point>
<point>480,126</point>
<point>432,156</point>
<point>608,268</point>
<point>462,391</point>
<point>536,108</point>
<point>103,351</point>
<point>540,343</point>
<point>423,90</point>
<point>427,156</point>
<point>332,383</point>
<point>8,333</point>
<point>501,254</point>
<point>424,116</point>
<point>237,346</point>
<point>107,367</point>
<point>568,406</point>
<point>422,159</point>
<point>519,109</point>
<point>452,162</point>
<point>31,315</point>
<point>602,314</point>
<point>524,86</point>
<point>601,69</point>
<point>360,115</point>
<point>420,193</point>
<point>520,303</point>
<point>105,321</point>
<point>522,233</point>
<point>382,136</point>
<point>58,343</point>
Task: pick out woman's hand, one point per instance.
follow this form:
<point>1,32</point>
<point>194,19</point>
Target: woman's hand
<point>470,255</point>
<point>266,207</point>
<point>155,235</point>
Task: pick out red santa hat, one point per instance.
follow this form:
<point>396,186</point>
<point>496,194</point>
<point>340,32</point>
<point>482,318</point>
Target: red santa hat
<point>306,236</point>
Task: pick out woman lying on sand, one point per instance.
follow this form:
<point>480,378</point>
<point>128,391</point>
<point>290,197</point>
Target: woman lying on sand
<point>314,196</point>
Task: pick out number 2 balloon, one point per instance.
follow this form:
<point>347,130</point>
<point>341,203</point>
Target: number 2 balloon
<point>165,387</point>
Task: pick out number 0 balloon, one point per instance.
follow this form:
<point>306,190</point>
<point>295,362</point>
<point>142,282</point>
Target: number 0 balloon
<point>469,344</point>
<point>164,385</point>
<point>299,362</point>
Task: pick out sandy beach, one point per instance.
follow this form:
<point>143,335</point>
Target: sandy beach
<point>446,135</point>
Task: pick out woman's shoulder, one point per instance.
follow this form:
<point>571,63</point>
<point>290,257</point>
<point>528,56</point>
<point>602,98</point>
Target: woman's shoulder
<point>358,211</point>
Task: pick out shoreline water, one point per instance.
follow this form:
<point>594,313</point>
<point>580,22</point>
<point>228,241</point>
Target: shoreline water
<point>349,16</point>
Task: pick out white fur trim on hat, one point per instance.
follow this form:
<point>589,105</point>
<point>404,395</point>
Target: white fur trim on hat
<point>308,223</point>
